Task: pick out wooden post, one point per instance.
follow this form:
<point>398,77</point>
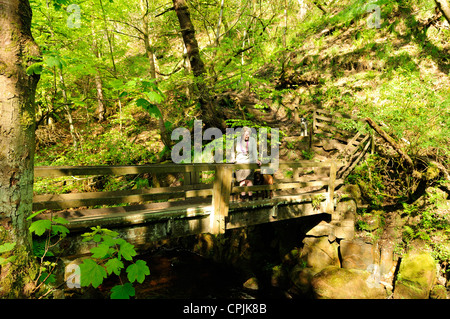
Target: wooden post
<point>331,185</point>
<point>312,131</point>
<point>226,190</point>
<point>221,199</point>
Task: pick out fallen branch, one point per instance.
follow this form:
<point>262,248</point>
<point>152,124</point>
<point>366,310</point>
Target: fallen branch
<point>391,142</point>
<point>405,157</point>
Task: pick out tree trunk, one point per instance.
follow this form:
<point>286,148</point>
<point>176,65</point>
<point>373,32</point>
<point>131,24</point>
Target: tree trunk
<point>210,114</point>
<point>100,111</point>
<point>147,41</point>
<point>188,33</point>
<point>444,6</point>
<point>67,109</point>
<point>17,142</point>
<point>101,106</point>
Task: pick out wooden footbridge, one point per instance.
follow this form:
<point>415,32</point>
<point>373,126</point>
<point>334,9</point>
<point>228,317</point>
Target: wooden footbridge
<point>201,199</point>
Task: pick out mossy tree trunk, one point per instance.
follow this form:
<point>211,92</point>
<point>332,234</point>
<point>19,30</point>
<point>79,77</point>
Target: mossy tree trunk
<point>210,114</point>
<point>17,142</point>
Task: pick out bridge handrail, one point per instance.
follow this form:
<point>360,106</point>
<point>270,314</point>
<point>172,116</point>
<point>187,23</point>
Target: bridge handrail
<point>221,188</point>
<point>55,171</point>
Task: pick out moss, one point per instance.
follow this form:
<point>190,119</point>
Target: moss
<point>416,276</point>
<point>17,278</point>
<point>26,119</point>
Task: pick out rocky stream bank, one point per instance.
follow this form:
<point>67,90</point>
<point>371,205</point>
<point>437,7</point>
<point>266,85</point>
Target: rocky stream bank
<point>325,258</point>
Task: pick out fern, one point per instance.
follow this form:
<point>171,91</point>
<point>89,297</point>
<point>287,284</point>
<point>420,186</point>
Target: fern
<point>408,233</point>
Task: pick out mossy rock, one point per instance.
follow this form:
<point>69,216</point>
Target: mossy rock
<point>416,276</point>
<point>439,292</point>
<point>339,283</point>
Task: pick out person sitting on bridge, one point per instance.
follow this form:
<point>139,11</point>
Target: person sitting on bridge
<point>246,152</point>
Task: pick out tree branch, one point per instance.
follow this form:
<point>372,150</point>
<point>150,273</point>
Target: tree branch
<point>165,11</point>
<point>391,142</point>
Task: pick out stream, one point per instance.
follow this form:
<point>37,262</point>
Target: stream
<point>181,274</point>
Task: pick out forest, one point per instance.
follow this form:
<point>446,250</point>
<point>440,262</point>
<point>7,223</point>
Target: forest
<point>106,82</point>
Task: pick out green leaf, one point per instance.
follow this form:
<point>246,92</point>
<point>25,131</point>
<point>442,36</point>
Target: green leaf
<point>35,214</point>
<point>138,271</point>
<point>97,238</point>
<point>123,291</point>
<point>53,61</point>
<point>100,251</point>
<point>91,273</point>
<point>40,226</point>
<point>152,109</point>
<point>154,97</point>
<point>6,247</point>
<point>43,277</point>
<point>60,220</point>
<point>127,251</point>
<point>114,265</point>
<point>59,229</point>
<point>35,68</point>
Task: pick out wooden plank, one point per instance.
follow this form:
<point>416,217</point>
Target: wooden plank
<point>347,171</point>
<point>236,189</point>
<point>283,199</point>
<point>324,118</point>
<point>298,179</point>
<point>357,148</point>
<point>62,201</point>
<point>254,215</point>
<point>352,142</point>
<point>160,206</point>
<point>53,171</point>
<point>139,217</point>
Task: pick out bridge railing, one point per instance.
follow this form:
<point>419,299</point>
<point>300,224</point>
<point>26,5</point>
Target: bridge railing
<point>191,185</point>
<point>192,192</point>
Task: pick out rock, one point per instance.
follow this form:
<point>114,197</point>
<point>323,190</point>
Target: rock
<point>278,276</point>
<point>346,208</point>
<point>416,276</point>
<point>372,220</point>
<point>321,229</point>
<point>251,283</point>
<point>344,229</point>
<point>387,261</point>
<point>354,192</point>
<point>339,283</point>
<point>438,292</point>
<point>301,278</point>
<point>318,252</point>
<point>357,254</point>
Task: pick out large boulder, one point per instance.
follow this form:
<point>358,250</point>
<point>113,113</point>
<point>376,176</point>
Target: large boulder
<point>339,283</point>
<point>416,276</point>
<point>357,254</point>
<point>301,278</point>
<point>319,253</point>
